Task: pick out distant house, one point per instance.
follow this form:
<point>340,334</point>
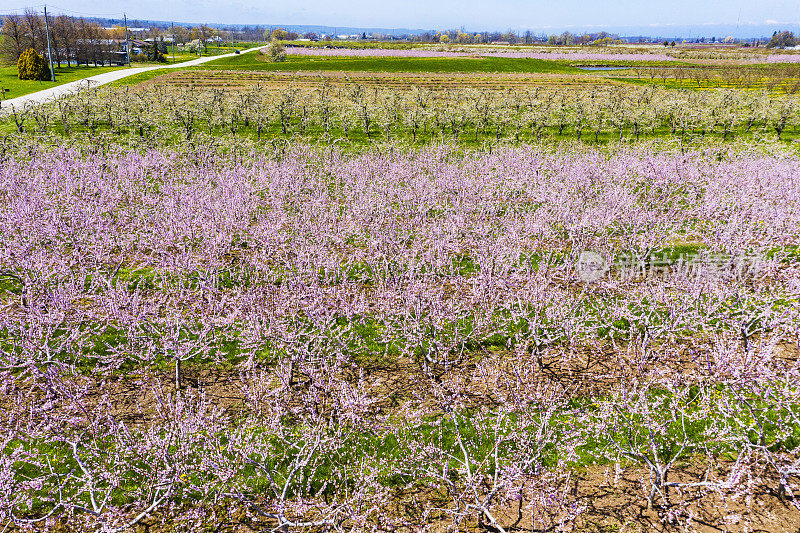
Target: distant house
<point>118,58</point>
<point>138,46</point>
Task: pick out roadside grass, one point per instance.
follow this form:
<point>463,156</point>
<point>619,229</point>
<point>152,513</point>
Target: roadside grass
<point>13,87</point>
<point>17,87</point>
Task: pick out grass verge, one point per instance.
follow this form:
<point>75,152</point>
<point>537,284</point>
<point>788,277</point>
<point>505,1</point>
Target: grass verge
<point>16,87</point>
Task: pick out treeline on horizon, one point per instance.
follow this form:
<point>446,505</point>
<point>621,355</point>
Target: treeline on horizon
<point>86,40</point>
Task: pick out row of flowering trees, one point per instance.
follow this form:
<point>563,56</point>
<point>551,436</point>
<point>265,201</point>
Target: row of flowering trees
<point>309,339</point>
<point>342,111</point>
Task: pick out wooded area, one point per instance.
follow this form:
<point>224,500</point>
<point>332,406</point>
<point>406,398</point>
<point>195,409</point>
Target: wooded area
<point>73,40</point>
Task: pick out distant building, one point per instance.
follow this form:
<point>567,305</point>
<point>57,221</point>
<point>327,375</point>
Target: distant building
<point>137,46</point>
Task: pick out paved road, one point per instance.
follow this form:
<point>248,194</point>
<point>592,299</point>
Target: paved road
<point>40,97</point>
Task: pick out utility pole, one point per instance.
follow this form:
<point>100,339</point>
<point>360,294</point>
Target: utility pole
<point>49,52</point>
<point>127,43</point>
<point>173,41</point>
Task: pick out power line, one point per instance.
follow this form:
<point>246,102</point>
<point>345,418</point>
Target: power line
<point>20,10</point>
<point>85,14</point>
<point>64,10</point>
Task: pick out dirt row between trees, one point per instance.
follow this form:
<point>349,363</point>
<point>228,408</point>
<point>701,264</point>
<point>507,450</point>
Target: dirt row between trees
<point>234,80</point>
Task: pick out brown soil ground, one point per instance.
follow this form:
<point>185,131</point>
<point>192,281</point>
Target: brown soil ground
<point>232,80</point>
<point>611,496</point>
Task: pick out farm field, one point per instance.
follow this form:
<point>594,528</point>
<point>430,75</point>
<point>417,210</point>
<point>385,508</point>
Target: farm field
<point>499,69</point>
<point>410,294</point>
<point>231,78</point>
<point>394,64</point>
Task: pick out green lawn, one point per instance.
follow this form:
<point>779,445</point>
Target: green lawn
<point>17,87</point>
<point>183,54</point>
<point>255,61</point>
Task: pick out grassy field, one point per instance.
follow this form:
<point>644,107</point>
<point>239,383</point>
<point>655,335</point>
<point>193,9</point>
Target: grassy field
<point>184,54</point>
<point>257,61</point>
<point>250,63</point>
<point>15,87</point>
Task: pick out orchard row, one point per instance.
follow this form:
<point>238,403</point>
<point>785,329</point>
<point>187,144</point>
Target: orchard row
<point>309,338</point>
<point>357,113</point>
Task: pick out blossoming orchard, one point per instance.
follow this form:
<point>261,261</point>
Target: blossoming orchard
<point>325,304</point>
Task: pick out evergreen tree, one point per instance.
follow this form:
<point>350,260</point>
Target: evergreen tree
<point>784,39</point>
<point>155,54</point>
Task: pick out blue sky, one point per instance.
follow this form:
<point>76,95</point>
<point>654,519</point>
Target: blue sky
<point>472,14</point>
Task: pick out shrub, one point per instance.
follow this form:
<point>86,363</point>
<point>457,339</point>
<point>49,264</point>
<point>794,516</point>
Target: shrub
<point>275,51</point>
<point>32,66</point>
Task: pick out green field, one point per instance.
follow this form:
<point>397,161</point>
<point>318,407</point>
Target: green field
<point>183,54</point>
<point>395,64</point>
